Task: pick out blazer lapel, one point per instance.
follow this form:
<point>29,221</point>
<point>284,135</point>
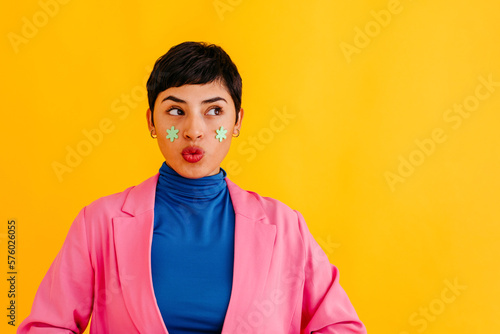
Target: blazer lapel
<point>253,249</point>
<point>132,241</point>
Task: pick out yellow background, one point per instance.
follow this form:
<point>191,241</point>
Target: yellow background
<point>355,116</point>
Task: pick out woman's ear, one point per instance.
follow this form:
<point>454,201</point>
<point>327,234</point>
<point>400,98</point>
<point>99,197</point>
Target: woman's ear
<point>237,126</point>
<point>149,117</point>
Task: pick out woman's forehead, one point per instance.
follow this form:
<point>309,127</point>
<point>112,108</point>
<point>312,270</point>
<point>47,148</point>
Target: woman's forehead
<point>196,93</point>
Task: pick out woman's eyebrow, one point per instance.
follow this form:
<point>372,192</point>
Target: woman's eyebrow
<point>214,99</point>
<point>173,98</point>
<point>211,100</point>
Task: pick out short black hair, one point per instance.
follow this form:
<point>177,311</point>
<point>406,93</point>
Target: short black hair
<point>194,63</point>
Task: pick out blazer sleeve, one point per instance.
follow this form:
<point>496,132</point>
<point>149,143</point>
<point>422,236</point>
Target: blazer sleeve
<point>326,308</point>
<point>63,302</point>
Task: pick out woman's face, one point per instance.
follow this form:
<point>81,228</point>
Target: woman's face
<point>196,113</point>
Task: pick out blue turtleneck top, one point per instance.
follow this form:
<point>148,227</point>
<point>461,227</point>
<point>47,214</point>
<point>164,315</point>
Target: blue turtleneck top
<point>192,251</point>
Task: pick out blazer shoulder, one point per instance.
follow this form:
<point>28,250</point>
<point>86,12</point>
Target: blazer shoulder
<point>270,204</point>
<point>138,196</point>
<point>109,202</point>
<point>256,206</point>
<point>289,223</point>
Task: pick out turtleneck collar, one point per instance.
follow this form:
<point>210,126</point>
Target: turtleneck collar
<point>171,184</point>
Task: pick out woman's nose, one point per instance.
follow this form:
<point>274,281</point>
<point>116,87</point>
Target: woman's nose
<point>194,128</point>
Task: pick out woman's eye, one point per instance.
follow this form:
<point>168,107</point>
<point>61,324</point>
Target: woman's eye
<point>175,112</point>
<point>214,111</point>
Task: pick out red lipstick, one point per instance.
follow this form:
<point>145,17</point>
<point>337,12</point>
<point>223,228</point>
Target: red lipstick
<point>192,154</point>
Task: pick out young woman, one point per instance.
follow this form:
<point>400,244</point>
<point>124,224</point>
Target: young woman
<point>187,250</point>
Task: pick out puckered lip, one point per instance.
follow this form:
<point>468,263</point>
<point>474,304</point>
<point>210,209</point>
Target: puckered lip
<point>193,154</point>
<point>193,150</point>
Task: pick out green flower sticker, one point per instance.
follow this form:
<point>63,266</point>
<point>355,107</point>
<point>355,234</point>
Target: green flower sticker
<point>221,134</point>
<point>172,134</point>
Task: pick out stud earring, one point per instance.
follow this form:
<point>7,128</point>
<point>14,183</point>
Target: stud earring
<point>172,133</point>
<point>221,134</point>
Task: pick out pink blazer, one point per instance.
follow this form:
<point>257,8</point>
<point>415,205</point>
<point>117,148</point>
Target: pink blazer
<point>282,282</point>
